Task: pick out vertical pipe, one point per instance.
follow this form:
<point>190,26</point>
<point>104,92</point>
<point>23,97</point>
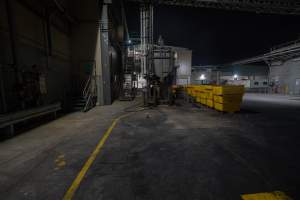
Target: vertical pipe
<point>269,77</point>
<point>144,40</point>
<point>151,38</point>
<point>141,36</point>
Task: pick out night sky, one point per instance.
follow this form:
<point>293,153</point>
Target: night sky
<point>218,36</point>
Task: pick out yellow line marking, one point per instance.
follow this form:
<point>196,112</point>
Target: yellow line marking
<point>72,189</point>
<point>277,195</point>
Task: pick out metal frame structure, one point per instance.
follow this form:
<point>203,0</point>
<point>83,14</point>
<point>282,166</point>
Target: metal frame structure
<point>285,7</point>
<point>278,53</point>
<point>146,11</point>
<point>147,68</point>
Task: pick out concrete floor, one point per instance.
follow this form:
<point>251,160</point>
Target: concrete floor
<point>178,152</point>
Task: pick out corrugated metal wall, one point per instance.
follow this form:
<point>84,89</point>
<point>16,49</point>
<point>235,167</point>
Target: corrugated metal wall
<point>74,46</point>
<point>31,43</point>
<point>286,77</point>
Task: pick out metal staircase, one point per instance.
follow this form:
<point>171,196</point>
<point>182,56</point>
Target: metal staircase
<point>87,99</point>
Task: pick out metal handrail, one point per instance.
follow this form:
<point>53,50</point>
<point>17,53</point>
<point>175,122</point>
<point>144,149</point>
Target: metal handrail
<point>88,103</point>
<point>89,91</point>
<point>87,86</point>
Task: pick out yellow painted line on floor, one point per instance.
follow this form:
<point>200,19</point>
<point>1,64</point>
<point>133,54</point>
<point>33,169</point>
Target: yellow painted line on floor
<point>277,195</point>
<point>72,189</point>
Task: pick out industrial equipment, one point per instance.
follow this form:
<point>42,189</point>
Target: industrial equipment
<point>157,62</point>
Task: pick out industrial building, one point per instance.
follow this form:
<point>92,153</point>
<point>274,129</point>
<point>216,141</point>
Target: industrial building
<point>255,78</point>
<point>149,99</point>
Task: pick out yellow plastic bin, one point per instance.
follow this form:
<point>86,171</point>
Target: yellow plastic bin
<point>228,89</point>
<point>227,107</point>
<point>228,98</point>
<point>210,103</point>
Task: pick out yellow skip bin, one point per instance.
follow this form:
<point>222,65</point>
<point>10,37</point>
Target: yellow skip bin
<point>210,103</point>
<point>203,101</point>
<point>277,195</point>
<point>228,98</point>
<point>227,107</point>
<point>228,89</point>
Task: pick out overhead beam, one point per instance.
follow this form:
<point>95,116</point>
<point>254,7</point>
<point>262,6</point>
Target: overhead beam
<point>283,53</point>
<point>284,7</point>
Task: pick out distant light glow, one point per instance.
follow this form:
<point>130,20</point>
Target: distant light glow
<point>176,55</point>
<point>202,77</point>
<point>129,41</point>
<point>235,76</point>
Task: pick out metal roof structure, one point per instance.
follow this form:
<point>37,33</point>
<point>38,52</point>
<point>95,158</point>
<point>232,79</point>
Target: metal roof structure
<point>279,53</point>
<point>284,7</point>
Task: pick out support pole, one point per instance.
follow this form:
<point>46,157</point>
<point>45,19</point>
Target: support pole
<point>98,70</point>
<point>98,61</point>
<point>146,15</point>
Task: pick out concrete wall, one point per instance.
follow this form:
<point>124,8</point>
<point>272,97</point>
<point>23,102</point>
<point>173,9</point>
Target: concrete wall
<point>31,49</point>
<point>286,77</point>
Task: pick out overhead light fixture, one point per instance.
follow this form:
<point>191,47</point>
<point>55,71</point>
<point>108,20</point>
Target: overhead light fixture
<point>202,77</point>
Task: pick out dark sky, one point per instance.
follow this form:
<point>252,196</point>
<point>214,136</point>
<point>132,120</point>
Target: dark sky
<point>217,36</point>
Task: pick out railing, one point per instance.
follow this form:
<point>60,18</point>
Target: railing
<point>86,88</point>
<point>90,91</point>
